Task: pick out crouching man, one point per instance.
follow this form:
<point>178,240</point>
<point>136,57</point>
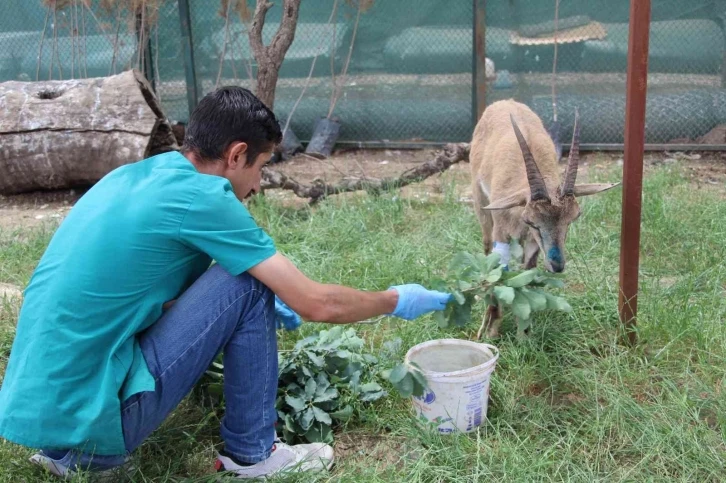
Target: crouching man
<point>123,313</point>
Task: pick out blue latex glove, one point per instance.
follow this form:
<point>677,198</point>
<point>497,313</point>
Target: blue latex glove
<point>286,318</point>
<point>415,300</point>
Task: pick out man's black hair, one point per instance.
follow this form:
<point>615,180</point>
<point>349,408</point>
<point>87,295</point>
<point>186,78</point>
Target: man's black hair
<point>227,115</point>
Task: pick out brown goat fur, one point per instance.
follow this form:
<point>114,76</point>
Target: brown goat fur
<point>520,195</point>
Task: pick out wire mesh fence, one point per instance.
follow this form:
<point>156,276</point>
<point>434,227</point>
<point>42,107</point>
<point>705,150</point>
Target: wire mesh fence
<point>396,71</point>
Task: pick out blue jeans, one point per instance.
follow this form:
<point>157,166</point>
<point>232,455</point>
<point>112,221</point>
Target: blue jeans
<point>218,312</point>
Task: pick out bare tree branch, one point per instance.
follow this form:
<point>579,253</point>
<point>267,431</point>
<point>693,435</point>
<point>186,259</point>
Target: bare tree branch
<point>255,33</point>
<point>285,33</point>
<point>318,190</point>
<point>269,59</point>
<point>42,41</point>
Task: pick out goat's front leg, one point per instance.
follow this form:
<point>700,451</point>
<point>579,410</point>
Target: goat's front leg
<point>491,323</point>
<point>531,253</point>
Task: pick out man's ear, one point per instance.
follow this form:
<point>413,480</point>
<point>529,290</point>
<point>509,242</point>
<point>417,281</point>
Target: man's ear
<point>593,188</point>
<point>516,199</point>
<point>236,155</point>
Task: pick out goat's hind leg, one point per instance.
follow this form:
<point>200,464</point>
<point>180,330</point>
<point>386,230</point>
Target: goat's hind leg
<point>491,323</point>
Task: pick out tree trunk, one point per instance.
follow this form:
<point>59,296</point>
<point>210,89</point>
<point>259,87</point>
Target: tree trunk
<point>269,58</point>
<point>267,75</point>
<point>61,134</point>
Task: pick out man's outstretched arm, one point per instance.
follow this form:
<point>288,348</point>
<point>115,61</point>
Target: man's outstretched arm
<point>339,304</point>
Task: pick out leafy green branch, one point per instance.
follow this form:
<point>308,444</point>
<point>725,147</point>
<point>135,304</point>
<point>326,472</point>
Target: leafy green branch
<point>482,278</point>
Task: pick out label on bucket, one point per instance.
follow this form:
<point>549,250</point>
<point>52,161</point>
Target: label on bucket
<point>475,406</point>
<point>451,409</point>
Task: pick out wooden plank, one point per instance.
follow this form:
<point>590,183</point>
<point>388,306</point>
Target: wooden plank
<point>636,90</point>
<point>479,89</point>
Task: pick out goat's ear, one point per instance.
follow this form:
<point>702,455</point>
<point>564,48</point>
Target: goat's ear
<point>516,199</point>
<point>588,189</point>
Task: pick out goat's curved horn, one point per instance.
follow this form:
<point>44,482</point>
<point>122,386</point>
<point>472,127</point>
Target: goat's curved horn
<point>538,190</point>
<point>568,183</point>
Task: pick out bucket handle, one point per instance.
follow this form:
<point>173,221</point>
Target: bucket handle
<point>494,350</point>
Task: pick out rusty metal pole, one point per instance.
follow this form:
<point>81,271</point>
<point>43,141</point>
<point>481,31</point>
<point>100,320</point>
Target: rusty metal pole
<point>479,88</point>
<point>637,82</point>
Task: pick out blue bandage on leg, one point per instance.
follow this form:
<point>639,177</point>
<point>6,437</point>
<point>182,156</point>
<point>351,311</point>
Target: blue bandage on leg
<point>503,250</point>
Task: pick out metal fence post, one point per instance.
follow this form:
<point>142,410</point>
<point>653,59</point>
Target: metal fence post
<point>188,52</point>
<point>479,88</point>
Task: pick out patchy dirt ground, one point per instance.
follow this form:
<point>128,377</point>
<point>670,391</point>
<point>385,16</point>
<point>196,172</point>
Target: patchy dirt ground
<point>707,171</point>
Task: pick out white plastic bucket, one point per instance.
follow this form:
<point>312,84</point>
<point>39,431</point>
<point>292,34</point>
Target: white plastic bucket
<point>458,373</point>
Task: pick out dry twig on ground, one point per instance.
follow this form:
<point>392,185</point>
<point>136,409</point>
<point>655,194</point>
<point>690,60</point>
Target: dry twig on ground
<point>318,190</point>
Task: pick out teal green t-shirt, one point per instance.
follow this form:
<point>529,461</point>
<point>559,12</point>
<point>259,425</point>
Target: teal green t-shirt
<point>138,238</point>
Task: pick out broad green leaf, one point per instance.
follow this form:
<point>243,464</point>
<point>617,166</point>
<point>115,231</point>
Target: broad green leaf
<point>322,383</point>
<point>295,403</point>
<point>462,261</point>
<point>315,359</point>
<point>306,419</point>
<point>372,396</point>
<point>557,303</point>
<point>489,262</point>
<point>504,294</point>
<point>550,280</point>
<point>537,299</point>
<point>343,354</point>
<point>398,373</point>
<point>441,319</point>
<point>420,382</point>
<point>494,275</point>
<point>521,307</point>
<point>329,394</point>
<point>322,416</point>
<point>295,390</point>
<point>319,433</point>
<point>310,387</point>
<point>370,387</point>
<point>460,315</point>
<point>405,386</point>
<point>459,297</point>
<point>463,285</point>
<point>290,424</point>
<point>522,279</point>
<point>342,414</point>
<point>371,359</point>
<point>307,371</point>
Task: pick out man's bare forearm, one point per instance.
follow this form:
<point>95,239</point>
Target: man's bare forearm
<point>342,305</point>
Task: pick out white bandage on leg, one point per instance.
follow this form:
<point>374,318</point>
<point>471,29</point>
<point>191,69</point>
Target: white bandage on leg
<point>503,250</point>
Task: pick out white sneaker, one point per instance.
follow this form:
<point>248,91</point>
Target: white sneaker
<point>284,458</point>
<point>58,468</point>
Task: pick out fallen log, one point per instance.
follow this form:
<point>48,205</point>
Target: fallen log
<point>450,154</point>
<point>62,134</point>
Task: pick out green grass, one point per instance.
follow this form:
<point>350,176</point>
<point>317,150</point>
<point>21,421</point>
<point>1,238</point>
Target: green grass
<point>569,403</point>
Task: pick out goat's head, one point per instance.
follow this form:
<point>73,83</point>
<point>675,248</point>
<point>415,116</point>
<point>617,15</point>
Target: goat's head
<point>549,215</point>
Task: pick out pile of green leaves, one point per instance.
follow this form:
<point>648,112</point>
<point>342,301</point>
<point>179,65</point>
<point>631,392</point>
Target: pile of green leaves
<point>482,278</point>
<point>322,381</point>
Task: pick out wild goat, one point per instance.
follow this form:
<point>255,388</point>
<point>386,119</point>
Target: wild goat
<point>526,200</point>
